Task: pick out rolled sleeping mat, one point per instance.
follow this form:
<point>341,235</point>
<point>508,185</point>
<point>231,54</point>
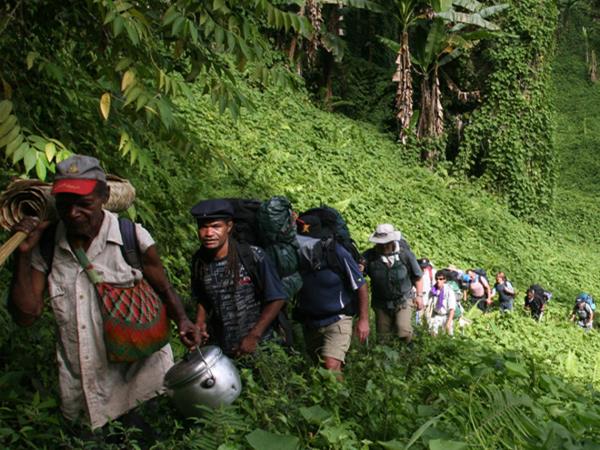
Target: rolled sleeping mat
<point>24,198</point>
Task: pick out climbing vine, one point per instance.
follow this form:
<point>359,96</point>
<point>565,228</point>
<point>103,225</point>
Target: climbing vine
<point>508,141</point>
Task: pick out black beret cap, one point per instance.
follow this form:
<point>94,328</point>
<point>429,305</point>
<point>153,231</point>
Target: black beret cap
<point>212,209</point>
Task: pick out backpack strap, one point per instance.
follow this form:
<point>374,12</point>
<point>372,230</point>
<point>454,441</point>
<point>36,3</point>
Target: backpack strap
<point>403,253</point>
<point>130,248</point>
<point>249,262</point>
<point>331,258</point>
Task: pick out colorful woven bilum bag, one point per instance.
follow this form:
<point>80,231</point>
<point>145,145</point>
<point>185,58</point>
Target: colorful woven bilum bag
<point>135,318</point>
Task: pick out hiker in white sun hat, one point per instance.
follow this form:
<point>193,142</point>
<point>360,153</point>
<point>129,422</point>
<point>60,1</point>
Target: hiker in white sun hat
<point>394,271</point>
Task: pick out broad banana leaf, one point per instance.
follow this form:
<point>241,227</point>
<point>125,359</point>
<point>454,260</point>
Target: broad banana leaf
<point>468,19</point>
<point>469,5</point>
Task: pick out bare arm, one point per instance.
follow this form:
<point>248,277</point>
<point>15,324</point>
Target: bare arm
<point>267,316</point>
<point>362,324</point>
<point>488,289</point>
<point>201,323</point>
<point>449,321</point>
<point>419,289</point>
<point>26,301</point>
<point>154,272</point>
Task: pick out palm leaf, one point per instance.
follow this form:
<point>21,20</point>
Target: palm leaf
<point>359,4</point>
<point>450,57</point>
<point>436,41</point>
<point>405,11</point>
<point>492,10</point>
<point>334,44</point>
<point>484,34</point>
<point>467,19</point>
<point>389,43</point>
<point>469,5</point>
<point>441,5</point>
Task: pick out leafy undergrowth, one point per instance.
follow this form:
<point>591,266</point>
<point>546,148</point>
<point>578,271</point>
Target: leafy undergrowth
<point>507,382</point>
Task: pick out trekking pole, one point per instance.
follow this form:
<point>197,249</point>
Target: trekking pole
<point>11,245</point>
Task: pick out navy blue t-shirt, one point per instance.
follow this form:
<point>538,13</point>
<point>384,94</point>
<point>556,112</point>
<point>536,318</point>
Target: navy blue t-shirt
<point>325,294</point>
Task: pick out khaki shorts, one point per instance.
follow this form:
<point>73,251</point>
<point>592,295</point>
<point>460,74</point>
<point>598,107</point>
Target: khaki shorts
<point>399,323</point>
<point>331,341</point>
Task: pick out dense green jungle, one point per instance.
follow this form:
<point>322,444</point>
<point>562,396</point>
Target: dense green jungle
<point>511,184</point>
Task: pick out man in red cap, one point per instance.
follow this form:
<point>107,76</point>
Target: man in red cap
<point>91,387</point>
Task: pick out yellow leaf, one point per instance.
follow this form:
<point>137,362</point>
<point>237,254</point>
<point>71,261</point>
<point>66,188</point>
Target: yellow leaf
<point>127,80</point>
<point>7,90</point>
<point>124,140</point>
<point>30,59</point>
<point>50,150</point>
<point>105,105</point>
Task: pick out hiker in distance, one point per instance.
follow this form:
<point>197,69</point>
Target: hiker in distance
<point>535,301</point>
<point>92,386</point>
<point>443,303</point>
<point>226,275</point>
<point>478,291</point>
<point>333,292</point>
<point>583,311</point>
<point>428,280</point>
<point>394,272</point>
<point>505,291</point>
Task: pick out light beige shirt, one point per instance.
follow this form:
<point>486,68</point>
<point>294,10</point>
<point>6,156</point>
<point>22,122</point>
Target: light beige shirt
<point>89,383</point>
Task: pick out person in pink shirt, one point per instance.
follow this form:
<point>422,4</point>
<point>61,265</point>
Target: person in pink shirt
<point>478,292</point>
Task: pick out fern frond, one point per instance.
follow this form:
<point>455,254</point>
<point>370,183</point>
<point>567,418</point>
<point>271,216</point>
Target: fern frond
<point>499,412</point>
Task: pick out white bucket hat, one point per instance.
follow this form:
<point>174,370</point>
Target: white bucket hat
<point>385,233</point>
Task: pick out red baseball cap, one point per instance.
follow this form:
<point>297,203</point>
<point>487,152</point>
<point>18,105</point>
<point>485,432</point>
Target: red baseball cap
<point>77,186</point>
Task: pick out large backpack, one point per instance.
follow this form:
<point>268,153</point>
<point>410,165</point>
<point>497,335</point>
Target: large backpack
<point>130,248</point>
<point>334,225</point>
<point>245,222</point>
<point>457,277</point>
<point>587,298</point>
<point>452,284</point>
<point>481,272</point>
<point>271,226</point>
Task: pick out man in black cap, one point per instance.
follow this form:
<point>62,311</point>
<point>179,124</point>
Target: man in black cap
<point>91,386</point>
<point>238,291</point>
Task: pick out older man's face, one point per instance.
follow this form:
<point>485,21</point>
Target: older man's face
<point>81,214</point>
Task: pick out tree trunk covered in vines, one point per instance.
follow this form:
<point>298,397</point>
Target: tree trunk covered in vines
<point>431,120</point>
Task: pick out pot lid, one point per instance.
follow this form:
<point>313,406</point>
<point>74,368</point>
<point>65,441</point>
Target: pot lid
<point>193,364</point>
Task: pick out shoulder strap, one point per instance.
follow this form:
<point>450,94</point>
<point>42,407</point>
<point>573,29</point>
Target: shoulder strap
<point>249,261</point>
<point>130,248</point>
<point>331,257</point>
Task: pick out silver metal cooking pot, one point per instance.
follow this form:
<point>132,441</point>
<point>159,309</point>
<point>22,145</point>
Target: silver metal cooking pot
<point>205,376</point>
